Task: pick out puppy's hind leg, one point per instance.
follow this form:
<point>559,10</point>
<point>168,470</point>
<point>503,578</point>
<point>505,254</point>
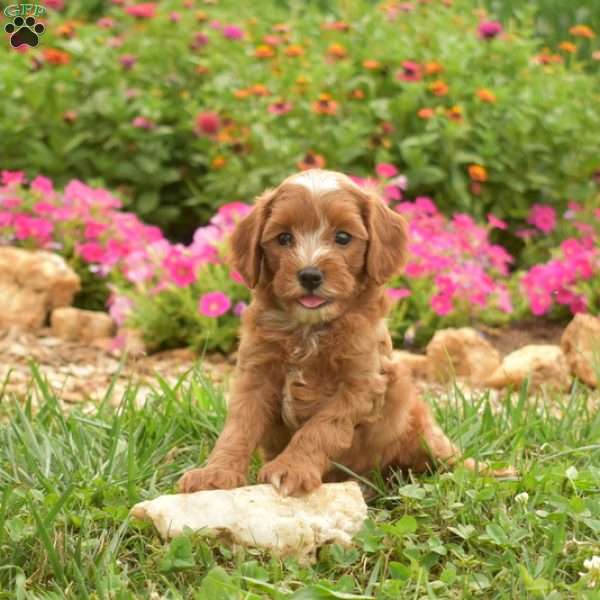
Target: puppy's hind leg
<point>435,447</point>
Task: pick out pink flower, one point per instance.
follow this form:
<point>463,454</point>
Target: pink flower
<point>6,219</point>
<point>398,293</point>
<point>237,277</point>
<point>239,309</point>
<point>200,40</point>
<point>208,123</point>
<point>146,10</point>
<point>280,108</point>
<point>92,252</point>
<point>10,178</point>
<point>43,185</point>
<point>496,223</point>
<point>543,217</point>
<point>119,308</point>
<point>94,230</point>
<point>229,214</point>
<point>386,170</point>
<point>55,4</point>
<point>180,268</point>
<point>143,123</point>
<point>411,71</point>
<point>106,22</point>
<point>232,32</point>
<point>392,192</point>
<point>27,227</point>
<point>441,304</point>
<point>174,17</point>
<point>127,61</point>
<point>214,304</point>
<point>489,29</point>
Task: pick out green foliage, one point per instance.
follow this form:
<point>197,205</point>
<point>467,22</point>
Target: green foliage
<point>537,141</point>
<point>69,480</point>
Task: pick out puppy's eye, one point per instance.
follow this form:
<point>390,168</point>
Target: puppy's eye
<point>285,239</point>
<point>342,238</point>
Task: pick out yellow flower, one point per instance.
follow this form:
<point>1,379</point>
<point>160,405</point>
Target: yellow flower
<point>337,51</point>
<point>477,173</point>
<point>568,47</point>
<point>454,113</point>
<point>486,95</point>
<point>264,51</point>
<point>582,31</point>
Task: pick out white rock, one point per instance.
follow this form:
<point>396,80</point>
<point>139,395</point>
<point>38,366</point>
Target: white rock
<point>462,353</point>
<point>542,364</point>
<point>257,516</point>
<point>581,344</point>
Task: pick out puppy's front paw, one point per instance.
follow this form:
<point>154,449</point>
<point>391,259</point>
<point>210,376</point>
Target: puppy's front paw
<point>210,478</point>
<point>290,479</point>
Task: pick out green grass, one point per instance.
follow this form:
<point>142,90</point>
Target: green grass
<point>67,481</point>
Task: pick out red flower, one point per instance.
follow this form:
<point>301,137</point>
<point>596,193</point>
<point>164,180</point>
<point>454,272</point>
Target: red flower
<point>411,71</point>
<point>208,123</point>
<point>146,10</point>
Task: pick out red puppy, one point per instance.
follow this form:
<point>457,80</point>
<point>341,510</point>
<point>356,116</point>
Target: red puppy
<point>314,381</point>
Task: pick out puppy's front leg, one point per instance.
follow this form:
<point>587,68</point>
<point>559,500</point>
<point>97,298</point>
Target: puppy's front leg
<point>325,436</point>
<point>251,412</point>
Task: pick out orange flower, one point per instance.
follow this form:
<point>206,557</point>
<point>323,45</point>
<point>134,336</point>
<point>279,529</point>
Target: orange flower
<point>433,68</point>
<point>311,161</point>
<point>568,47</point>
<point>371,64</point>
<point>202,70</point>
<point>325,105</point>
<point>336,26</point>
<point>264,51</point>
<point>294,50</point>
<point>55,56</point>
<point>281,27</point>
<point>596,55</point>
<point>201,16</point>
<point>486,95</point>
<point>258,89</point>
<point>357,94</point>
<point>582,31</point>
<point>547,58</point>
<point>66,30</point>
<point>241,94</point>
<point>218,162</point>
<point>454,113</point>
<point>426,113</point>
<point>337,51</point>
<point>438,88</point>
<point>477,173</point>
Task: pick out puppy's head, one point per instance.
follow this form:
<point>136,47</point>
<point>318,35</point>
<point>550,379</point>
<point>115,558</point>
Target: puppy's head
<point>316,242</point>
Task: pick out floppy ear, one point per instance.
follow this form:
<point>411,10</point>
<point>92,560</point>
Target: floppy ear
<point>388,236</point>
<point>246,253</point>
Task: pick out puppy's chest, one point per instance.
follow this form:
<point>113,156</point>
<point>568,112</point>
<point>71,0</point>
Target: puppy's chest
<point>304,392</point>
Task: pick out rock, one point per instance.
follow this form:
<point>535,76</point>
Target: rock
<point>33,283</point>
<point>581,344</point>
<point>461,353</point>
<point>257,516</point>
<point>417,364</point>
<point>543,364</point>
<point>76,324</point>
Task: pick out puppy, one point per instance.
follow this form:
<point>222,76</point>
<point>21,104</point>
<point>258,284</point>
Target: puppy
<point>314,382</point>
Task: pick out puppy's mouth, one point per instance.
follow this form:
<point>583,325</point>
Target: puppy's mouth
<point>312,302</point>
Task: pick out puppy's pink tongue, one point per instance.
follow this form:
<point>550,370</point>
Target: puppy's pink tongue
<point>311,301</point>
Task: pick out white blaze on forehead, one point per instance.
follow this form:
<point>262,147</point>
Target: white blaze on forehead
<point>317,181</point>
<point>311,246</point>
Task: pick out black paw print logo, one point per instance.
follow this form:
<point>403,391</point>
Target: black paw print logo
<point>24,31</point>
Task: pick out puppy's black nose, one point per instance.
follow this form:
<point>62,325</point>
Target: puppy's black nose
<point>310,278</point>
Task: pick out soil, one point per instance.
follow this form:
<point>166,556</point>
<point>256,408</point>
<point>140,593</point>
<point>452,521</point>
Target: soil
<point>517,335</point>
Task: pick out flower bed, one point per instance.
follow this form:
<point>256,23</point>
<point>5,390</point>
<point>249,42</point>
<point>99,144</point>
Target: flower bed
<point>179,295</point>
<point>181,104</point>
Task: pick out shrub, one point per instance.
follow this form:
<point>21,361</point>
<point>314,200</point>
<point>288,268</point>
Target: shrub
<point>180,108</point>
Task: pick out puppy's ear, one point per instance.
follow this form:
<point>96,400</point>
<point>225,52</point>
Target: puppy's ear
<point>246,253</point>
<point>388,237</point>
